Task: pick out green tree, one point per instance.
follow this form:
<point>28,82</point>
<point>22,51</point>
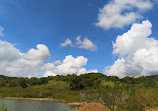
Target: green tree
<point>76,83</point>
<point>22,82</point>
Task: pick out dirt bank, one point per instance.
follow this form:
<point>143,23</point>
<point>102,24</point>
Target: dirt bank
<point>94,107</point>
<point>43,99</point>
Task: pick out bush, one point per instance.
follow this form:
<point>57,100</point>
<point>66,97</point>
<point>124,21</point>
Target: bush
<point>107,84</point>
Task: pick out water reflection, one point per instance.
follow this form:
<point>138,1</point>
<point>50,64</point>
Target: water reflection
<point>33,105</point>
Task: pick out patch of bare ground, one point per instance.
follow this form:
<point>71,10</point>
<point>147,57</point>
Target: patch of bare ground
<point>94,107</point>
<point>40,99</point>
<point>151,109</point>
<point>76,104</point>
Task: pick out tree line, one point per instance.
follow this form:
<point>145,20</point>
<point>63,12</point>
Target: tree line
<point>83,81</point>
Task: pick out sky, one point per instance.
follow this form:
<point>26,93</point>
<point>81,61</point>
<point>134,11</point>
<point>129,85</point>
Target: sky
<point>59,37</point>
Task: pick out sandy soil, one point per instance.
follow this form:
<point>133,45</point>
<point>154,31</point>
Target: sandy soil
<point>151,109</point>
<point>44,99</point>
<point>40,99</point>
<point>76,104</point>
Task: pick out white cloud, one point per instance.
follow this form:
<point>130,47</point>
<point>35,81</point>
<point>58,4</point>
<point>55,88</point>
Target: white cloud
<point>1,31</point>
<point>70,65</point>
<point>8,52</point>
<point>138,53</point>
<point>86,44</point>
<point>120,13</point>
<point>32,63</point>
<point>66,43</point>
<point>41,53</point>
<point>57,62</point>
<point>136,38</point>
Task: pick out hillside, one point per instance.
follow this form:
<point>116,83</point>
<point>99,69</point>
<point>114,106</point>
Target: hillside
<point>119,94</point>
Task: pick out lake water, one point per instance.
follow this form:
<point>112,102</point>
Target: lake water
<point>34,105</point>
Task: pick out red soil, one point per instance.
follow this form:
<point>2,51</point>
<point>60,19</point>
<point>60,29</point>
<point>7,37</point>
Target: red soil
<point>94,107</point>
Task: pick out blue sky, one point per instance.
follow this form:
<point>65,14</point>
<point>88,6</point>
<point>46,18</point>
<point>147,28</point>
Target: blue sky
<point>27,23</point>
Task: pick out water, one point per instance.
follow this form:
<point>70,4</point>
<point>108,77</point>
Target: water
<point>34,105</point>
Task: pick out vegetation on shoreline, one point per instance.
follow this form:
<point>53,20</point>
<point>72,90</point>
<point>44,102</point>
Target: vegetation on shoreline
<point>3,108</point>
<point>126,94</point>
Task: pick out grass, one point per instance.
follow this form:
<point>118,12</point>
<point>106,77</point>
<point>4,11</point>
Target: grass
<point>3,107</point>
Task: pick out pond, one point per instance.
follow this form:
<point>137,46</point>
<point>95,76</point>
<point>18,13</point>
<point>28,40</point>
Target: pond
<point>35,105</point>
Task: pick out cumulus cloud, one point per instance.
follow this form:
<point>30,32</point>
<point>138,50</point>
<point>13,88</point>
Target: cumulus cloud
<point>15,63</point>
<point>86,43</point>
<point>70,65</point>
<point>66,43</point>
<point>33,63</point>
<point>134,39</point>
<point>120,13</point>
<point>137,51</point>
<point>8,52</point>
<point>41,53</point>
<point>1,31</point>
<point>57,62</point>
